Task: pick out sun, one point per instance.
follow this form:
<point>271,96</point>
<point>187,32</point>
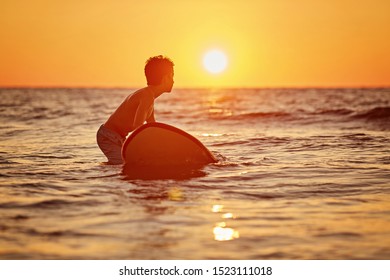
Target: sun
<point>215,61</point>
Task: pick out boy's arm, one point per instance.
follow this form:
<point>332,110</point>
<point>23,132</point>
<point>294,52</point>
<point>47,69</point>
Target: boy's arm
<point>151,117</point>
<point>142,112</point>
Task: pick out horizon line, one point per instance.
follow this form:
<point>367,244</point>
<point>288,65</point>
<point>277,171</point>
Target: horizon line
<point>198,87</point>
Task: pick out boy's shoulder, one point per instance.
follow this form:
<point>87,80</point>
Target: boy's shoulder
<point>140,94</point>
<point>143,91</point>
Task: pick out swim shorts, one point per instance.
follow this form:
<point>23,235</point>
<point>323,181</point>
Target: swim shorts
<point>110,142</point>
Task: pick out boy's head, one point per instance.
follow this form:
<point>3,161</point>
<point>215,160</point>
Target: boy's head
<point>157,68</point>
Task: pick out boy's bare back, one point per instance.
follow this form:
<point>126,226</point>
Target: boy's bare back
<point>137,108</point>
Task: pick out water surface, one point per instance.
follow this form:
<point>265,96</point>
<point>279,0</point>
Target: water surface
<point>303,174</point>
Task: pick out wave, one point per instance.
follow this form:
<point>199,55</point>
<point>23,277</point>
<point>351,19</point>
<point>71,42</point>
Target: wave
<point>253,116</point>
<point>61,233</point>
<point>377,113</point>
<point>261,115</point>
<point>254,195</point>
<point>339,112</point>
<point>49,204</point>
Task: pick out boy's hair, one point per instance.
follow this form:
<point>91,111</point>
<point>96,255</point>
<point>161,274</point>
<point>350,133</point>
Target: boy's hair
<point>156,67</point>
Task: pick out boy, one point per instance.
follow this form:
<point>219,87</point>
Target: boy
<point>137,108</point>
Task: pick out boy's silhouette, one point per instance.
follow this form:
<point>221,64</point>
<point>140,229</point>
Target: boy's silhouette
<point>137,108</point>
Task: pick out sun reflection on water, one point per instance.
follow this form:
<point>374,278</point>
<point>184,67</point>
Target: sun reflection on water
<point>216,208</point>
<point>211,134</point>
<point>228,216</point>
<point>221,231</point>
<point>225,234</point>
<point>175,194</point>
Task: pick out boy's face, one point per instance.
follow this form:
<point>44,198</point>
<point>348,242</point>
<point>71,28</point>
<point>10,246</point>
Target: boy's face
<point>168,81</point>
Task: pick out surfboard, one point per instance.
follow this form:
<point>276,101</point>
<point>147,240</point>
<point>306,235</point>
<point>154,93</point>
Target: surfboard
<point>162,145</point>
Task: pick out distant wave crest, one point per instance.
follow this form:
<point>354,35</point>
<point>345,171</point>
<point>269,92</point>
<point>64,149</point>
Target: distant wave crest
<point>375,114</point>
<point>258,115</point>
<point>340,112</point>
<point>378,113</point>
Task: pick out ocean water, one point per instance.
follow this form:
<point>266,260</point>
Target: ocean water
<point>302,174</point>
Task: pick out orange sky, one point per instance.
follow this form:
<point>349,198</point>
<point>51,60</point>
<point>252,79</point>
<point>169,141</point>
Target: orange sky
<point>278,43</point>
